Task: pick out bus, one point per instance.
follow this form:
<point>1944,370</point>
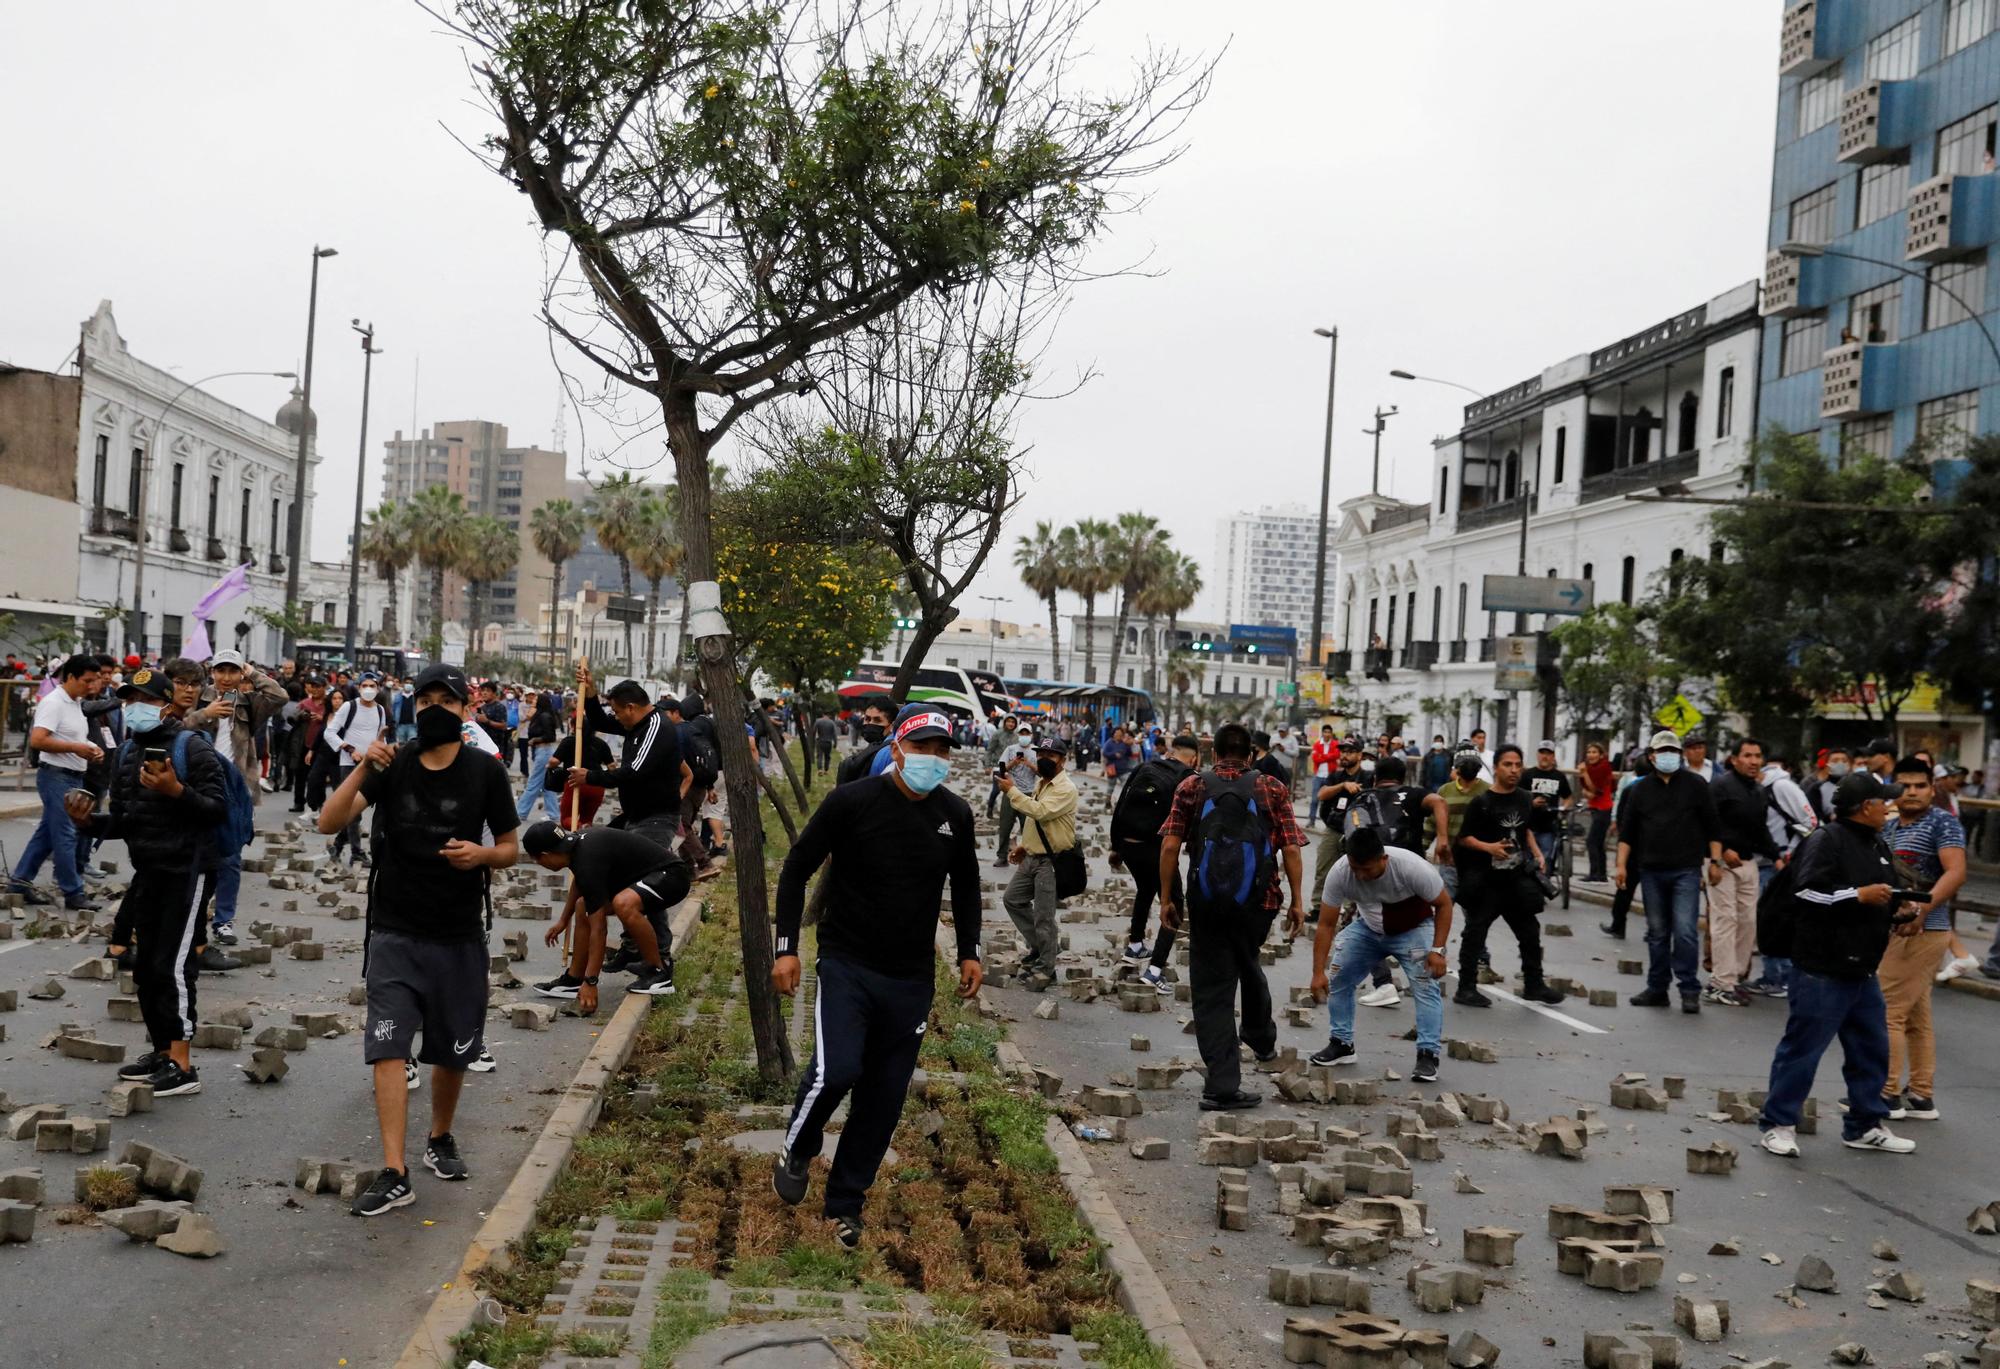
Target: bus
<point>402,662</point>
<point>947,686</point>
<point>993,694</point>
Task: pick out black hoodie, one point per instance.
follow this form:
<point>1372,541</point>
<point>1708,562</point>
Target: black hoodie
<point>166,835</point>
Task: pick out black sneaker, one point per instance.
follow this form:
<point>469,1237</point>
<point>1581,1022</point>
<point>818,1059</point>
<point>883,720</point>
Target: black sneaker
<point>1230,1102</point>
<point>441,1158</point>
<point>171,1081</point>
<point>216,961</point>
<point>847,1230</point>
<point>1650,998</point>
<point>789,1177</point>
<point>145,1067</point>
<point>1615,933</point>
<point>127,959</point>
<point>1335,1052</point>
<point>1542,993</point>
<point>563,985</point>
<point>622,960</point>
<point>1469,997</point>
<point>391,1189</point>
<point>657,983</point>
<point>223,934</point>
<point>1690,1003</point>
<point>30,895</point>
<point>1919,1109</point>
<point>1426,1071</point>
<point>80,903</point>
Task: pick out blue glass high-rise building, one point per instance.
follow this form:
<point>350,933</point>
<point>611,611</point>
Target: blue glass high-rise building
<point>1879,306</point>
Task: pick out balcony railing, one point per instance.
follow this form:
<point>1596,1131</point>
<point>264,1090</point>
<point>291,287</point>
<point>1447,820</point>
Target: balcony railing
<point>113,523</point>
<point>178,540</point>
<point>1375,662</point>
<point>246,553</point>
<point>1644,476</point>
<point>216,551</point>
<point>1341,664</point>
<point>1458,652</point>
<point>1420,655</point>
<point>1487,647</point>
<point>1401,517</point>
<point>277,563</point>
<point>1506,511</point>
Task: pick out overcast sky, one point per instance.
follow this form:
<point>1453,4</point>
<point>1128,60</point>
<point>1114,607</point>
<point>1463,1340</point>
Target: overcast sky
<point>1468,190</point>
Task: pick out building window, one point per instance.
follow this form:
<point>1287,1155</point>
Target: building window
<point>1461,611</point>
<point>1627,580</point>
<point>1803,344</point>
<point>243,522</point>
<point>1871,315</point>
<point>100,471</point>
<point>214,498</point>
<point>1944,426</point>
<point>275,543</point>
<point>1374,615</point>
<point>1811,218</point>
<point>1674,560</point>
<point>1955,291</point>
<point>1589,570</point>
<point>1437,610</point>
<point>1562,451</point>
<point>1966,22</point>
<point>1444,486</point>
<point>170,635</point>
<point>951,660</point>
<point>1031,672</point>
<point>1819,101</point>
<point>326,613</point>
<point>1892,55</point>
<point>1867,436</point>
<point>1966,147</point>
<point>1410,619</point>
<point>1725,402</point>
<point>1883,189</point>
<point>132,481</point>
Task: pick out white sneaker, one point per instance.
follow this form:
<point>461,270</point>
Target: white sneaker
<point>411,1079</point>
<point>485,1064</point>
<point>1957,966</point>
<point>1381,996</point>
<point>1881,1138</point>
<point>1780,1141</point>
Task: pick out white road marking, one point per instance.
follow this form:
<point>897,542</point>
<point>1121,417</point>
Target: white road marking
<point>16,946</point>
<point>1545,1011</point>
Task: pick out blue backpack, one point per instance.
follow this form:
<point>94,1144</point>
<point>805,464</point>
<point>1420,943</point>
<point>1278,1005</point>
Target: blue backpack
<point>239,820</point>
<point>1231,865</point>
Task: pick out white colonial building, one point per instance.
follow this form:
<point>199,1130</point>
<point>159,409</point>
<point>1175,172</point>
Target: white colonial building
<point>218,486</point>
<point>1672,408</point>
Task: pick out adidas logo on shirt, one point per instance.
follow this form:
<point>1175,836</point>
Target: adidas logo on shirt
<point>944,829</point>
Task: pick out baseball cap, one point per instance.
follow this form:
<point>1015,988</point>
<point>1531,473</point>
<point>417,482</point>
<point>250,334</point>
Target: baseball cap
<point>1855,790</point>
<point>920,722</point>
<point>147,684</point>
<point>1881,746</point>
<point>1545,745</point>
<point>450,676</point>
<point>544,838</point>
<point>1055,746</point>
<point>1664,740</point>
<point>226,656</point>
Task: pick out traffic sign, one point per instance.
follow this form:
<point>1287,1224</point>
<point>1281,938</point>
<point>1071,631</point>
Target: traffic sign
<point>1514,663</point>
<point>1678,715</point>
<point>1529,594</point>
<point>625,608</point>
<point>1259,640</point>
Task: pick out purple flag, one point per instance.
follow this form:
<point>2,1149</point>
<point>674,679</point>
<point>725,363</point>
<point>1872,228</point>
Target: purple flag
<point>230,587</point>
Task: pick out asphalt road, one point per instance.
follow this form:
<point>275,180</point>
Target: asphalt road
<point>303,1283</point>
<point>1832,1201</point>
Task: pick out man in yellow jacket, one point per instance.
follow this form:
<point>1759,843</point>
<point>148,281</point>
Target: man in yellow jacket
<point>1049,827</point>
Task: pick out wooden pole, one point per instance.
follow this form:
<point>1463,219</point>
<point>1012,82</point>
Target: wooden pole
<point>575,796</point>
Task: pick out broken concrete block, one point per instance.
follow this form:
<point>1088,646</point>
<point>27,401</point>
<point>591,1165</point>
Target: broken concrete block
<point>1492,1245</point>
<point>1152,1148</point>
<point>252,955</point>
<point>1559,1136</point>
<point>1470,1350</point>
<point>320,1023</point>
<point>235,1017</point>
<point>1675,1085</point>
<point>195,1236</point>
<point>1815,1275</point>
<point>1049,1009</point>
<point>1103,1102</point>
<point>532,1017</point>
<point>1650,1201</point>
<point>79,1047</point>
<point>1983,1294</point>
<point>160,1172</point>
<point>17,1221</point>
<point>316,1174</point>
<point>1048,1081</point>
<point>1440,1288</point>
<point>266,1065</point>
<point>123,1010</point>
<point>22,1123</point>
<point>1705,1319</point>
<point>1718,1157</point>
<point>284,1038</point>
<point>145,1221</point>
<point>1903,1286</point>
<point>10,1000</point>
<point>87,1135</point>
<point>216,1036</point>
<point>306,950</point>
<point>1481,1108</point>
<point>22,1185</point>
<point>47,990</point>
<point>97,967</point>
<point>1851,1352</point>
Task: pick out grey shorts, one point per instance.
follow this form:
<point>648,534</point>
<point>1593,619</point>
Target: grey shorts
<point>438,987</point>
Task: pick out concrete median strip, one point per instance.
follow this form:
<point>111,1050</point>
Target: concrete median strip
<point>510,1218</point>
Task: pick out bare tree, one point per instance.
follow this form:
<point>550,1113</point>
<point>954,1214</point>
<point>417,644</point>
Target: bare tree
<point>732,187</point>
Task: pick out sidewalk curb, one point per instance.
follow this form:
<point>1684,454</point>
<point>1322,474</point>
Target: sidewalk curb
<point>27,808</point>
<point>1966,984</point>
<point>1139,1289</point>
<point>452,1311</point>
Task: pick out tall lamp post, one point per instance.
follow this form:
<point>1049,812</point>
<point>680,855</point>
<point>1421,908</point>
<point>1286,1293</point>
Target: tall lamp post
<point>369,351</point>
<point>1382,417</point>
<point>135,632</point>
<point>1332,336</point>
<point>1799,251</point>
<point>295,525</point>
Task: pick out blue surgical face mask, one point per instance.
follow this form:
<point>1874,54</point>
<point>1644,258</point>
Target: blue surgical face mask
<point>924,773</point>
<point>142,717</point>
<point>1837,769</point>
<point>1666,762</point>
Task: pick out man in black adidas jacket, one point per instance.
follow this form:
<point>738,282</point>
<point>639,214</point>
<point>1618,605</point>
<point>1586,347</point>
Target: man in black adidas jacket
<point>167,821</point>
<point>651,778</point>
<point>1844,912</point>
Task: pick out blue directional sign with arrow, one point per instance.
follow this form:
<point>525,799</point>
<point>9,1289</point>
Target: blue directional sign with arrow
<point>1528,594</point>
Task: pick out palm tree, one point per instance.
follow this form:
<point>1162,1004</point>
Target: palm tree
<point>437,524</point>
<point>491,550</point>
<point>558,529</point>
<point>656,556</point>
<point>1170,591</point>
<point>385,541</point>
<point>1039,559</point>
<point>1087,572</point>
<point>618,514</point>
<point>1133,558</point>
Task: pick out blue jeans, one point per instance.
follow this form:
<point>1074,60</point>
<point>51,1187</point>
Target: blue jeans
<point>228,879</point>
<point>1821,1009</point>
<point>1547,841</point>
<point>1356,952</point>
<point>1673,915</point>
<point>1777,969</point>
<point>405,732</point>
<point>536,790</point>
<point>55,834</point>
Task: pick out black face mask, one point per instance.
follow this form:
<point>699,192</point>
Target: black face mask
<point>1047,768</point>
<point>436,725</point>
<point>873,732</point>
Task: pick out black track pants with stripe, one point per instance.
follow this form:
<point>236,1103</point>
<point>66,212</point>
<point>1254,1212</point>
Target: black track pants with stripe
<point>168,908</point>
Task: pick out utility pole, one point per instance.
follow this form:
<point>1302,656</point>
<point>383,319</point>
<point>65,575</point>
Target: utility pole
<point>1332,335</point>
<point>1382,417</point>
<point>303,475</point>
<point>369,352</point>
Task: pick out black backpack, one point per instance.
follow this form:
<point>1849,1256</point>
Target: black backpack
<point>698,750</point>
<point>1231,864</point>
<point>1388,812</point>
<point>1778,908</point>
<point>1143,807</point>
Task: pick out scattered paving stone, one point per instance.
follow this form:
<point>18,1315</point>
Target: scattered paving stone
<point>146,1221</point>
<point>266,1065</point>
<point>1884,1250</point>
<point>1439,1288</point>
<point>1654,1203</point>
<point>21,1124</point>
<point>216,1036</point>
<point>293,1038</point>
<point>1984,1220</point>
<point>1318,1285</point>
<point>1903,1286</point>
<point>1852,1352</point>
<point>534,1017</point>
<point>80,1047</point>
<point>1705,1319</point>
<point>97,967</point>
<point>1491,1245</point>
<point>1460,1183</point>
<point>46,990</point>
<point>22,1185</point>
<point>1049,1009</point>
<point>128,1096</point>
<point>160,1172</point>
<point>17,1221</point>
<point>1470,1350</point>
<point>1726,1248</point>
<point>1559,1136</point>
<point>1152,1148</point>
<point>195,1237</point>
<point>1717,1157</point>
<point>1815,1275</point>
<point>1983,1294</point>
<point>123,1010</point>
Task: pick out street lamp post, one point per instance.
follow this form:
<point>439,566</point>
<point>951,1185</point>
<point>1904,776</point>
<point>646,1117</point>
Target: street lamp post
<point>295,526</point>
<point>135,632</point>
<point>1382,417</point>
<point>1799,251</point>
<point>992,630</point>
<point>369,351</point>
<point>1332,336</point>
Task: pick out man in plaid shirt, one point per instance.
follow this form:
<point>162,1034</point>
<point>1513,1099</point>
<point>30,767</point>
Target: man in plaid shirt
<point>1223,941</point>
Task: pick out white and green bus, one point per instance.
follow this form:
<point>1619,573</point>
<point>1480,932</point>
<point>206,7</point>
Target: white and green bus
<point>950,687</point>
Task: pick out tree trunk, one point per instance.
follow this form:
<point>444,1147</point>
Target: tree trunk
<point>625,579</point>
<point>390,626</point>
<point>652,625</point>
<point>1118,637</point>
<point>1055,639</point>
<point>1152,654</point>
<point>437,604</point>
<point>778,802</point>
<point>717,672</point>
<point>1090,639</point>
<point>555,599</point>
<point>762,722</point>
<point>928,630</point>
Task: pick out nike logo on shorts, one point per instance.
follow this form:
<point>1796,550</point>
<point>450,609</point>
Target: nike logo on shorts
<point>461,1047</point>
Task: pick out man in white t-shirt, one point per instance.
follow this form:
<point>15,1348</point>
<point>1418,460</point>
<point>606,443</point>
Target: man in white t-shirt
<point>1403,911</point>
<point>60,737</point>
<point>352,729</point>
